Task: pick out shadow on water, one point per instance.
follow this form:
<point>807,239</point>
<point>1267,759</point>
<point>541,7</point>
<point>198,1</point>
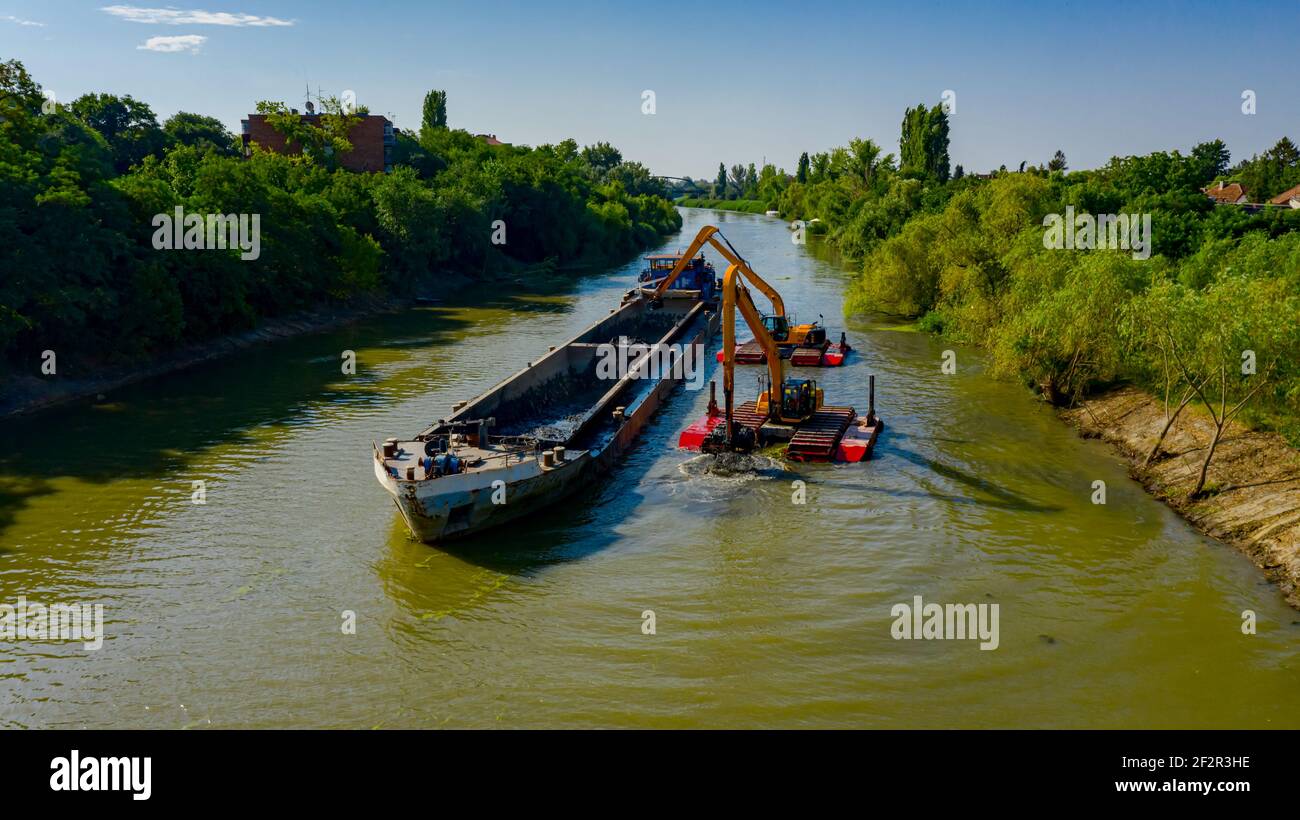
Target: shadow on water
<point>994,495</point>
<point>556,534</point>
<point>417,577</point>
<point>161,425</point>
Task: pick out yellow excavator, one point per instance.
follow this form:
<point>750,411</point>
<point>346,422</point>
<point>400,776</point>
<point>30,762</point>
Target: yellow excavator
<point>784,335</point>
<point>786,401</point>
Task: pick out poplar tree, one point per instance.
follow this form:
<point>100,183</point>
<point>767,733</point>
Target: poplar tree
<point>435,109</point>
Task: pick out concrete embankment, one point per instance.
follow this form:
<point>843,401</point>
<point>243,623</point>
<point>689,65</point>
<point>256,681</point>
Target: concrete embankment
<point>1253,485</point>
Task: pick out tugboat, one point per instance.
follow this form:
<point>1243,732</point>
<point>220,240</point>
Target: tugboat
<point>697,281</point>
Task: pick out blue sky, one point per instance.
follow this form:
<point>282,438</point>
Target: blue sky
<point>733,82</point>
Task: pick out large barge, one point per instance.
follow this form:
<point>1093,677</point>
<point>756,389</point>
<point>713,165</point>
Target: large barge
<point>550,428</point>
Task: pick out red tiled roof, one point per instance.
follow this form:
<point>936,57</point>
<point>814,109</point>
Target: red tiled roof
<point>1286,196</point>
<point>1226,193</point>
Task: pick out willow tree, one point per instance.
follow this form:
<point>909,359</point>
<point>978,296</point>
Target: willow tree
<point>1227,343</point>
<point>1145,328</point>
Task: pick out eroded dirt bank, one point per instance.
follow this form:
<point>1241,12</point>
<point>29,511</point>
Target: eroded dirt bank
<point>1253,499</point>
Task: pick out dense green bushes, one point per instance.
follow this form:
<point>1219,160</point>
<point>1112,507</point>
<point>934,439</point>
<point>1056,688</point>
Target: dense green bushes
<point>1069,321</point>
<point>81,184</point>
<point>968,257</point>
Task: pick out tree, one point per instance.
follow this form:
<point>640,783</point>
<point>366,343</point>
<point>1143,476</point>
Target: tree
<point>1276,170</point>
<point>821,163</point>
<point>323,139</point>
<point>636,179</point>
<point>1145,327</point>
<point>1211,334</point>
<point>737,181</point>
<point>958,172</point>
<point>801,175</point>
<point>1057,162</point>
<point>1065,340</point>
<point>1212,159</point>
<point>78,274</point>
<point>601,158</point>
<point>128,125</point>
<point>407,150</point>
<point>197,130</point>
<point>720,184</point>
<point>937,143</point>
<point>771,183</point>
<point>923,144</point>
<point>866,157</point>
<point>435,109</point>
<point>1285,152</point>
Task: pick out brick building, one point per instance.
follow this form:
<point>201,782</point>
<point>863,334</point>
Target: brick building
<point>372,141</point>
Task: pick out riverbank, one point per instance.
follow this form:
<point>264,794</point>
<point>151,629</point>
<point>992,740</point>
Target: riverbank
<point>1254,480</point>
<point>23,394</point>
<point>748,206</point>
<point>96,505</point>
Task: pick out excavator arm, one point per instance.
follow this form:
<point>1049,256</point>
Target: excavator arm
<point>736,296</point>
<point>710,235</point>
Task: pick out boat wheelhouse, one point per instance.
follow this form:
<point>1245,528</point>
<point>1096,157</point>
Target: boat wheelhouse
<point>698,280</point>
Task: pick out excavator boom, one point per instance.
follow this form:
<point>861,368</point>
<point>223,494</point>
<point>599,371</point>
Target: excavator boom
<point>792,410</point>
<point>710,235</point>
<point>736,296</point>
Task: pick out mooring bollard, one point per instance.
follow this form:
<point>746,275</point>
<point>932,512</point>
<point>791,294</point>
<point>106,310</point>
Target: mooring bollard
<point>871,399</point>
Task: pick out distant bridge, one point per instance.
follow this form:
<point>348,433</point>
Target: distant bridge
<point>691,185</point>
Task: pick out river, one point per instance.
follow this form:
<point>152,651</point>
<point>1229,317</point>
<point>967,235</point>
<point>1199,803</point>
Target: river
<point>767,613</point>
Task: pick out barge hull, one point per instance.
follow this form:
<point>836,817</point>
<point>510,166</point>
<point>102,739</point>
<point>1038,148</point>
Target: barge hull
<point>453,507</point>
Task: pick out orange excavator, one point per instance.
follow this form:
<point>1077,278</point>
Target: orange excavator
<point>788,409</point>
<point>798,399</point>
<point>805,343</point>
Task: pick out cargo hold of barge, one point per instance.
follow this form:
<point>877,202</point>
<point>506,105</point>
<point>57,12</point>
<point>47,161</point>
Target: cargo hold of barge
<point>547,430</point>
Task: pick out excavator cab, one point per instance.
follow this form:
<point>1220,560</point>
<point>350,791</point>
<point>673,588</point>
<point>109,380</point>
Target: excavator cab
<point>800,399</point>
<point>787,335</point>
<point>778,327</point>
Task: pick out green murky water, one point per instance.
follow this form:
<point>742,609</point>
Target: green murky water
<point>768,613</point>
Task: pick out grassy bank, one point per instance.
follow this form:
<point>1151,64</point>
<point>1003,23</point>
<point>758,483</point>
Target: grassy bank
<point>749,206</point>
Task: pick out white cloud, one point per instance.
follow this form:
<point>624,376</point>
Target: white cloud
<point>184,42</point>
<point>9,18</point>
<point>195,17</point>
